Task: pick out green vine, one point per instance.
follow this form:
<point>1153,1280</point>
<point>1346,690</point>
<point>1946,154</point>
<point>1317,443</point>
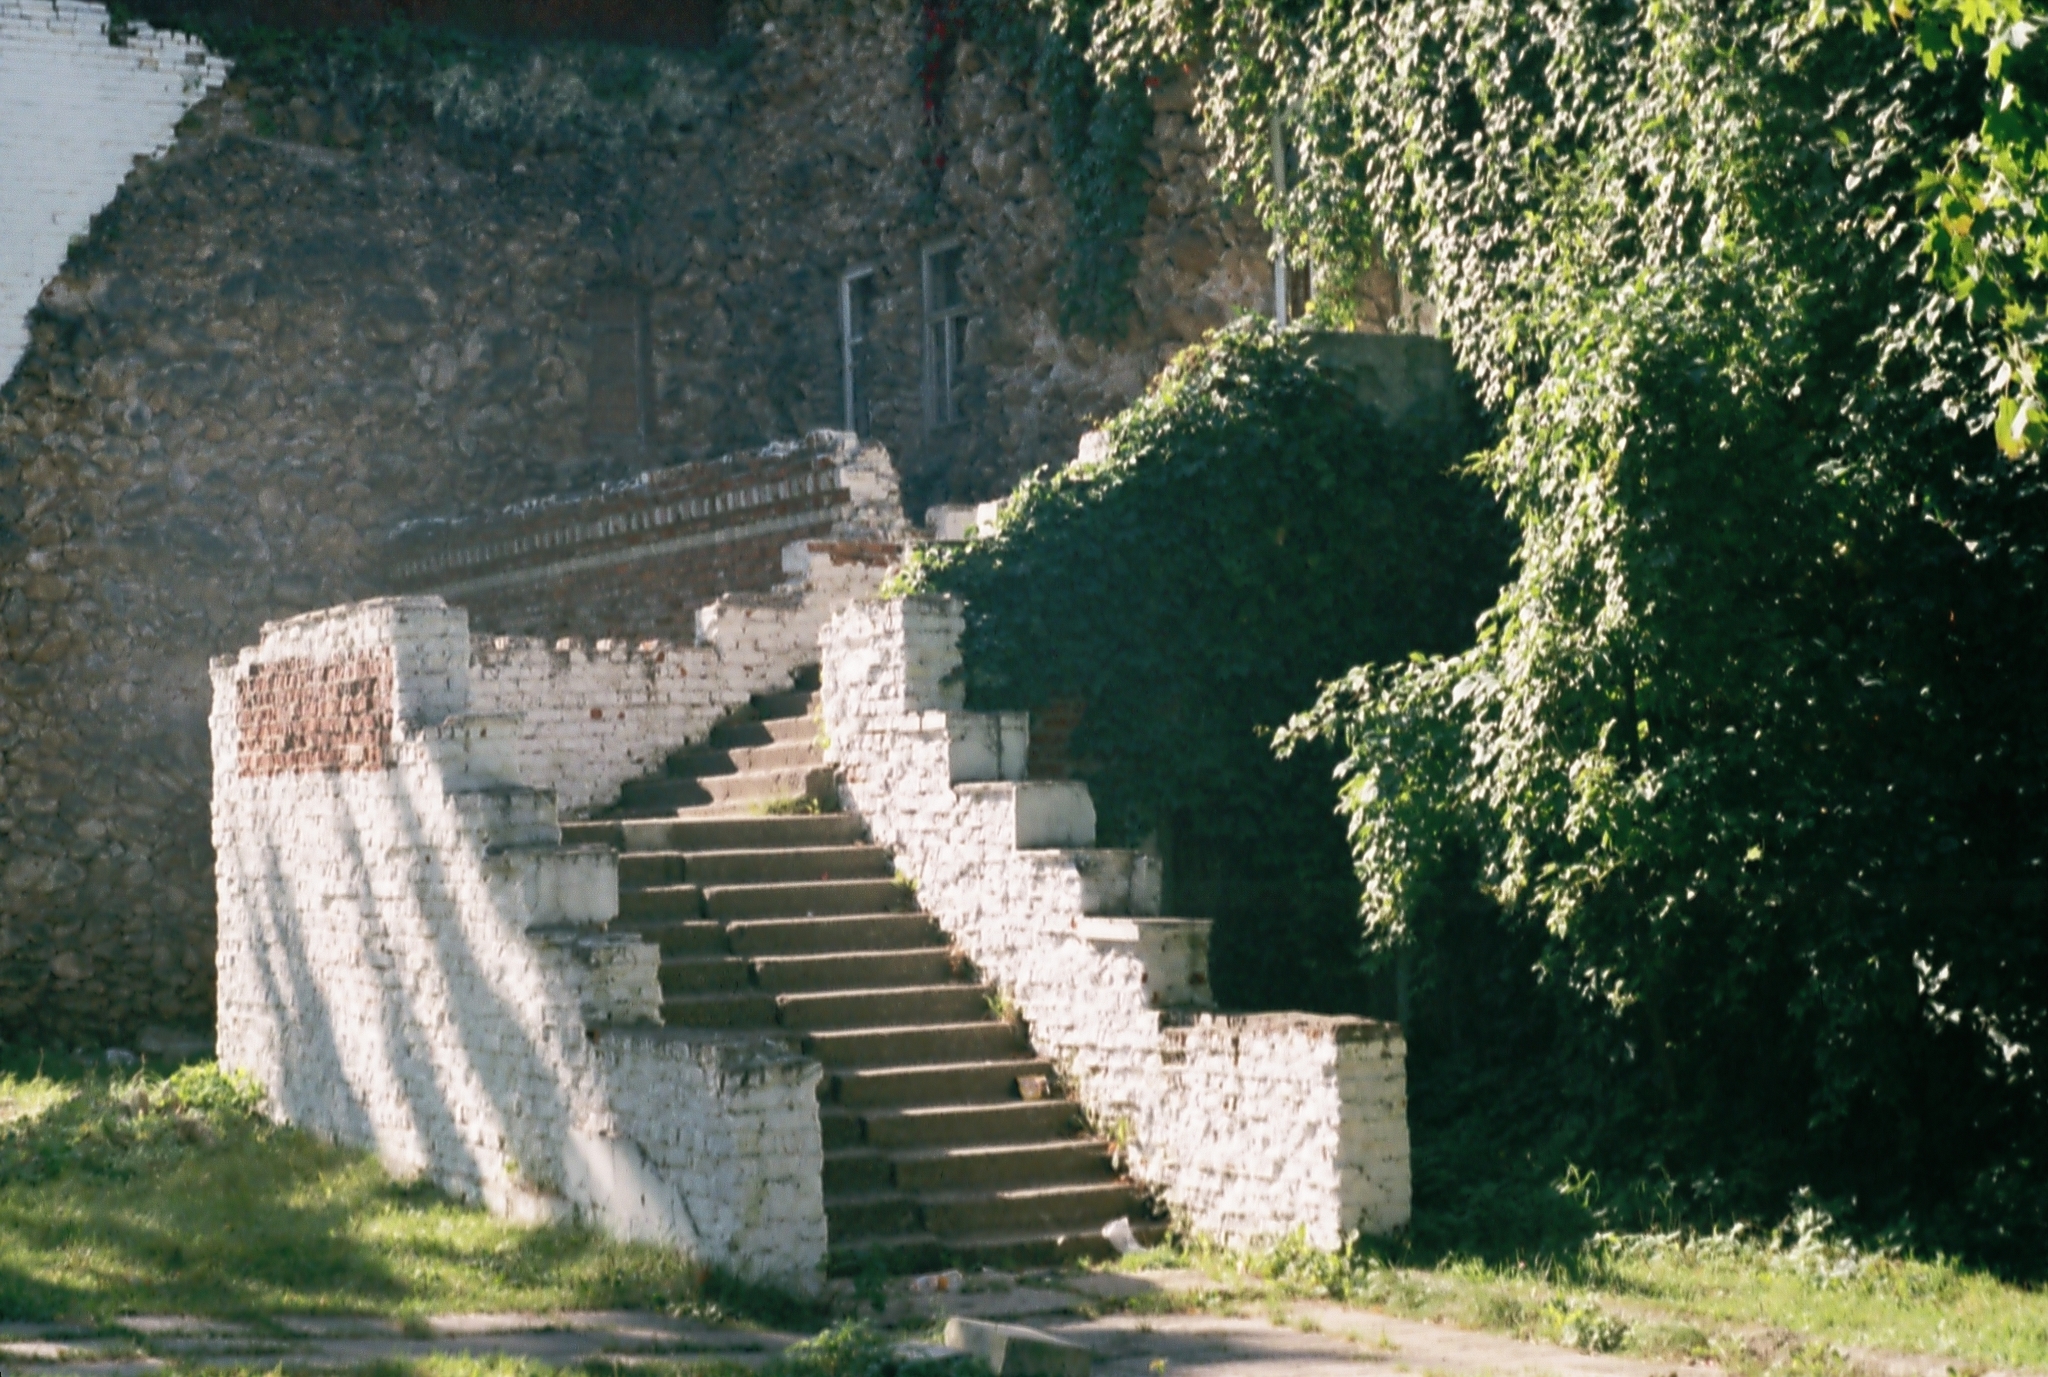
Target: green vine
<point>1253,530</point>
<point>1099,127</point>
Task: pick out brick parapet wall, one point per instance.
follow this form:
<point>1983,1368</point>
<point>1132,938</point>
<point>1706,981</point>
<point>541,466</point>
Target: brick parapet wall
<point>640,558</point>
<point>594,714</point>
<point>1248,1125</point>
<point>409,961</point>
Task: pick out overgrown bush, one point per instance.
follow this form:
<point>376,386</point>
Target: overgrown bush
<point>1748,752</point>
<point>1251,530</point>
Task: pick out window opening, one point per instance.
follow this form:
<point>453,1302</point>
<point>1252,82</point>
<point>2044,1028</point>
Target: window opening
<point>945,334</point>
<point>856,321</point>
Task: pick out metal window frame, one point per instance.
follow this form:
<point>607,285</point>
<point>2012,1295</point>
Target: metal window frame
<point>941,363</point>
<point>849,388</point>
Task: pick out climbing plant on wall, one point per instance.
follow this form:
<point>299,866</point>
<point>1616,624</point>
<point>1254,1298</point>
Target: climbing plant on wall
<point>1250,530</point>
<point>1099,125</point>
<point>1746,751</point>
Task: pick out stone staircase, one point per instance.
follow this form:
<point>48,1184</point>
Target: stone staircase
<point>946,1139</point>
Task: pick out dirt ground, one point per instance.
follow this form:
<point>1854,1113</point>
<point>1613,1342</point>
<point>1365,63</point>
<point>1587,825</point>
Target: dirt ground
<point>1109,1314</point>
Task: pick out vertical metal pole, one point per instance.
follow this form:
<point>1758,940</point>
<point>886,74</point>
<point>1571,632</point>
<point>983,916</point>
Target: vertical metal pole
<point>1279,244</point>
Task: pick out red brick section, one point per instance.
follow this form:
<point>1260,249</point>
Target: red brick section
<point>631,560</point>
<point>308,716</point>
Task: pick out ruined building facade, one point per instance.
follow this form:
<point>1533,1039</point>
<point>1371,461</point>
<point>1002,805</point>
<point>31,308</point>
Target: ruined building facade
<point>329,326</point>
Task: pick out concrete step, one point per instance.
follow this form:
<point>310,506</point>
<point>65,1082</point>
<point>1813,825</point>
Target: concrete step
<point>731,760</point>
<point>870,1214</point>
<point>678,937</point>
<point>856,971</point>
<point>747,1009</point>
<point>1029,1209</point>
<point>797,702</point>
<point>807,899</point>
<point>1056,1161</point>
<point>699,975</point>
<point>608,832</point>
<point>643,869</point>
<point>639,869</point>
<point>748,833</point>
<point>923,1251</point>
<point>815,936</point>
<point>878,1008</point>
<point>858,1170</point>
<point>729,735</point>
<point>932,1126</point>
<point>790,865</point>
<point>913,1044</point>
<point>897,1087</point>
<point>758,786</point>
<point>662,901</point>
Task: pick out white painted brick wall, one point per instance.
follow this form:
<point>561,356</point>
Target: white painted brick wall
<point>75,112</point>
<point>410,962</point>
<point>1248,1125</point>
<point>593,715</point>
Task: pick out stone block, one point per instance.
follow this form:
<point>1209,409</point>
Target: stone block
<point>987,745</point>
<point>1173,952</point>
<point>1011,1350</point>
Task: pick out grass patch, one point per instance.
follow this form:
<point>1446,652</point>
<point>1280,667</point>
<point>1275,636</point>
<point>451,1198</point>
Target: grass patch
<point>141,1193</point>
<point>1791,1300</point>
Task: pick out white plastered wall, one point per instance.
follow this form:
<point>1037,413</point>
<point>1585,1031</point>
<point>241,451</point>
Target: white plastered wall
<point>409,961</point>
<point>75,113</point>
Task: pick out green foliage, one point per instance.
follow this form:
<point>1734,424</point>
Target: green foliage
<point>1986,207</point>
<point>136,1126</point>
<point>1745,753</point>
<point>1099,127</point>
<point>1251,530</point>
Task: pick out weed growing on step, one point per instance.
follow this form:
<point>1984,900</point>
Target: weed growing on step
<point>800,806</point>
<point>145,1193</point>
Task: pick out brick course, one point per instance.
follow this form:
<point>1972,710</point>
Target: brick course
<point>303,716</point>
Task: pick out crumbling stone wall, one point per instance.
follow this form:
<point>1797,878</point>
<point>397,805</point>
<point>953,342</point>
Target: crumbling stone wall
<point>321,314</point>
